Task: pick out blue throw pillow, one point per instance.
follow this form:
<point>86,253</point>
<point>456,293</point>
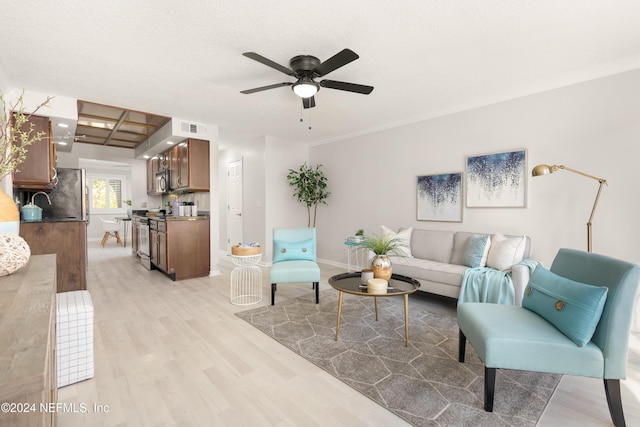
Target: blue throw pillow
<point>475,251</point>
<point>572,307</point>
<point>290,251</point>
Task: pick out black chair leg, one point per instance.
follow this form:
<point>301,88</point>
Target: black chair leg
<point>316,286</point>
<point>273,294</point>
<point>614,400</point>
<point>462,341</point>
<point>489,388</point>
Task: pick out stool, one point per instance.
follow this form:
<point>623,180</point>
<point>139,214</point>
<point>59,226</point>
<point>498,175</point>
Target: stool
<point>74,337</point>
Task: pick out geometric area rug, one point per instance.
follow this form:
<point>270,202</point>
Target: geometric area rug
<point>424,383</point>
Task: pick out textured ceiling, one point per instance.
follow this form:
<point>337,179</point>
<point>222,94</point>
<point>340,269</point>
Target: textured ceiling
<point>424,58</point>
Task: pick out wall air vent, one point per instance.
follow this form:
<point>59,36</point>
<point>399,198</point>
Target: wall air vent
<point>191,128</point>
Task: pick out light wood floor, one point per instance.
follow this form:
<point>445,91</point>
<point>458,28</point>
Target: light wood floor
<point>174,354</point>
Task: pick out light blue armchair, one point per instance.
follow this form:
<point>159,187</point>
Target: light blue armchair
<point>294,259</point>
<point>546,337</point>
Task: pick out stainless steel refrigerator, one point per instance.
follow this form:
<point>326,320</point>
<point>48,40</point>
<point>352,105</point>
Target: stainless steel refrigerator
<point>68,198</point>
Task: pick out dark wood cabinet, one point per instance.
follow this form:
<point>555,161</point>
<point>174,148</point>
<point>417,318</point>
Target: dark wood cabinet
<point>37,172</point>
<point>158,245</point>
<point>68,240</point>
<point>180,248</point>
<point>189,163</point>
<point>152,169</point>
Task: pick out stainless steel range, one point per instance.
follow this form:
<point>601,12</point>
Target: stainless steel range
<point>143,242</point>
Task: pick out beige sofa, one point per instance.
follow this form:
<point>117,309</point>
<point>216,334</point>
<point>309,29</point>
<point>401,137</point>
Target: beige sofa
<point>437,262</point>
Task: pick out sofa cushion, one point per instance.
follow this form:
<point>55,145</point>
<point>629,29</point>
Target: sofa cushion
<point>433,271</point>
<point>476,251</point>
<point>432,245</point>
<point>403,235</point>
<point>572,307</point>
<point>505,251</point>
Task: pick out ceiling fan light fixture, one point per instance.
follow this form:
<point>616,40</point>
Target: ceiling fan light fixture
<point>305,88</point>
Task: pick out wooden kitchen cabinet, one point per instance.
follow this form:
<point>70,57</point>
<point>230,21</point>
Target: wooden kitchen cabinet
<point>28,337</point>
<point>189,166</point>
<point>180,248</point>
<point>37,172</point>
<point>152,169</point>
<point>66,239</point>
<point>158,244</point>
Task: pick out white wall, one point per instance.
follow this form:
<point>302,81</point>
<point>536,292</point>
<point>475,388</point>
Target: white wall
<point>281,209</point>
<point>267,200</point>
<point>593,127</point>
<point>253,192</point>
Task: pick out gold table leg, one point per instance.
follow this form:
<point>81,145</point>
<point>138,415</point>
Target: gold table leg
<point>339,312</point>
<point>376,303</point>
<point>406,320</point>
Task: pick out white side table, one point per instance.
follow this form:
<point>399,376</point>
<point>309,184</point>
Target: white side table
<point>246,280</point>
<point>357,251</point>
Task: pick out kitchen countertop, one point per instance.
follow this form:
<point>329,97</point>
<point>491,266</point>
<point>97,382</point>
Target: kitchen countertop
<point>53,220</point>
<point>178,218</point>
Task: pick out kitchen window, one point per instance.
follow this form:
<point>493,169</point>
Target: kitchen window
<point>107,193</point>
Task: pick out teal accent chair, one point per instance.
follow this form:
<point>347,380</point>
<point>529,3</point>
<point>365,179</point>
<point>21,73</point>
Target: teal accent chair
<point>294,259</point>
<point>511,337</point>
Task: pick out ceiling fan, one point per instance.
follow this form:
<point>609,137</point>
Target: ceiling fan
<point>306,68</point>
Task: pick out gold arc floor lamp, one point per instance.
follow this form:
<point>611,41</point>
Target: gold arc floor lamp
<point>546,170</point>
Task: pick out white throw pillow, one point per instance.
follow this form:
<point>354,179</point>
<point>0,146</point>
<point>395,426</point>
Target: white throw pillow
<point>404,235</point>
<point>505,251</point>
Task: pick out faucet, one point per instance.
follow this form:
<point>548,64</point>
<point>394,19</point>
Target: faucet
<point>33,198</point>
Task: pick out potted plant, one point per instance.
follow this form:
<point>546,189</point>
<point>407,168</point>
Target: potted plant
<point>310,188</point>
<point>16,135</point>
<point>359,236</point>
<point>382,247</point>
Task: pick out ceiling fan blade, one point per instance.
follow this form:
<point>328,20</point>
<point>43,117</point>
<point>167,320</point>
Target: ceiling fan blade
<point>309,102</point>
<point>336,61</point>
<point>261,59</point>
<point>260,89</point>
<point>349,87</point>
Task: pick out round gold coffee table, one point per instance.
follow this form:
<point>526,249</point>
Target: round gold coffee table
<point>398,285</point>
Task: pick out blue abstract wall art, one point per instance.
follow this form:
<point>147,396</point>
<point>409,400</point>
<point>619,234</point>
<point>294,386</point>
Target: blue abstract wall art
<point>440,197</point>
<point>497,180</point>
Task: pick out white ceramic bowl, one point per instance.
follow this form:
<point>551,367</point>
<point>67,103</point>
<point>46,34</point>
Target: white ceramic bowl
<point>377,286</point>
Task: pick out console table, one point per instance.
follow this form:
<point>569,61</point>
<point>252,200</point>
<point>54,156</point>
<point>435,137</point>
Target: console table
<point>27,343</point>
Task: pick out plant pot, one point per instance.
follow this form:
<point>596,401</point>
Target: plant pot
<point>381,266</point>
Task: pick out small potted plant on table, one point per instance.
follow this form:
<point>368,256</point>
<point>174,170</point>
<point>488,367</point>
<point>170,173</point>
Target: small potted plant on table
<point>382,247</point>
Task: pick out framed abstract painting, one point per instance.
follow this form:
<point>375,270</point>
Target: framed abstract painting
<point>440,197</point>
<point>497,180</point>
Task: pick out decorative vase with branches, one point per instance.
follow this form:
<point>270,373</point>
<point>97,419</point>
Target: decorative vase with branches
<point>310,188</point>
<point>15,136</point>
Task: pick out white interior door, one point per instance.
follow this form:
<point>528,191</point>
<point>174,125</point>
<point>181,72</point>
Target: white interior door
<point>234,207</point>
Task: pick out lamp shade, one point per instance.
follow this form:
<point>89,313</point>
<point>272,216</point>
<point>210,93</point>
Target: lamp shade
<point>541,170</point>
<point>305,88</point>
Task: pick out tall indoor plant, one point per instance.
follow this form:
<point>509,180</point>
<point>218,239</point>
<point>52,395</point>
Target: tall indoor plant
<point>382,247</point>
<point>16,135</point>
<point>309,187</point>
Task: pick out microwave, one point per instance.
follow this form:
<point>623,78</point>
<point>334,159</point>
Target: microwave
<point>162,182</point>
